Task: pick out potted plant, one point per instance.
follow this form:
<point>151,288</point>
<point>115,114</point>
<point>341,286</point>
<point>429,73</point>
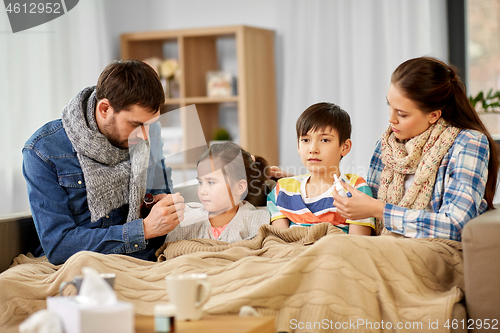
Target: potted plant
<point>221,135</point>
<point>489,101</point>
<point>487,107</point>
<point>169,72</point>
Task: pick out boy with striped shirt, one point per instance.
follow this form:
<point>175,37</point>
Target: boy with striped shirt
<point>323,134</point>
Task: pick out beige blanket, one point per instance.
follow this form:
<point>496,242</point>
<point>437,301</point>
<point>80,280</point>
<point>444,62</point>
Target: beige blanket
<point>310,279</point>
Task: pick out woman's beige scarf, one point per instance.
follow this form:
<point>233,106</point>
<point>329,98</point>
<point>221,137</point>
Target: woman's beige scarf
<point>421,156</point>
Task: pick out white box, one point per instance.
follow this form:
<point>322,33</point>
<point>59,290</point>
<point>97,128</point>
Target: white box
<point>83,318</point>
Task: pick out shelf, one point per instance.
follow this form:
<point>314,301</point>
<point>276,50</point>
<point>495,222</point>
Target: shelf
<point>172,101</point>
<point>201,100</point>
<point>214,99</point>
<point>247,53</point>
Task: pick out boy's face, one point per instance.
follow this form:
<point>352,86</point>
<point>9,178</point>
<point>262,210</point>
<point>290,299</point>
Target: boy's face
<point>320,151</point>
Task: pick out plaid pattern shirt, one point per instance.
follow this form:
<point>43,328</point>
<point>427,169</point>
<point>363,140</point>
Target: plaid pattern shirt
<point>457,196</point>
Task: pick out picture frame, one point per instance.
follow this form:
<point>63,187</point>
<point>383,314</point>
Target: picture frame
<point>219,84</point>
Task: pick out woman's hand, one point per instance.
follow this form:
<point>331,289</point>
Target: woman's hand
<point>359,206</point>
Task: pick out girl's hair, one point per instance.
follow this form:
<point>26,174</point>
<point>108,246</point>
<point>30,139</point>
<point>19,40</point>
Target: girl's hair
<point>433,85</point>
<point>225,155</point>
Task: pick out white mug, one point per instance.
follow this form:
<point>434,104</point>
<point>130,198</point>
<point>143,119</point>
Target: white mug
<point>78,279</point>
<point>188,292</point>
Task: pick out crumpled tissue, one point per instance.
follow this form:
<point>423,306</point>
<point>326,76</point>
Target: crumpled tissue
<point>248,311</point>
<point>95,309</point>
<point>42,321</point>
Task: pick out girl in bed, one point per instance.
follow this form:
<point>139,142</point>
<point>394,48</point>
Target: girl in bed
<point>229,179</point>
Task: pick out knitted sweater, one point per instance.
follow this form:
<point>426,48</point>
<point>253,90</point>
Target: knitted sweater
<point>196,224</point>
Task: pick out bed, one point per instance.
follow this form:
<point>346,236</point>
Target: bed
<point>309,279</point>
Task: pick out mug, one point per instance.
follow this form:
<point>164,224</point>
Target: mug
<point>188,292</point>
<point>78,279</point>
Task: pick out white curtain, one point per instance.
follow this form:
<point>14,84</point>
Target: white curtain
<point>342,51</point>
<point>41,69</point>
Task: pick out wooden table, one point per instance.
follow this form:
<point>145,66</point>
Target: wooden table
<point>212,324</point>
<point>208,324</point>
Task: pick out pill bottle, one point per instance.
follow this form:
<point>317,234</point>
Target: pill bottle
<point>165,318</point>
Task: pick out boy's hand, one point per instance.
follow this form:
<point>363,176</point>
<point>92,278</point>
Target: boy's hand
<point>281,223</point>
<point>165,215</point>
<point>358,206</point>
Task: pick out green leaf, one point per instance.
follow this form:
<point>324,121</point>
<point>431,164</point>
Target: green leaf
<point>489,101</point>
<point>490,94</point>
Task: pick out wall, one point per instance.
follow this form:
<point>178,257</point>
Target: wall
<point>326,50</point>
<point>337,51</point>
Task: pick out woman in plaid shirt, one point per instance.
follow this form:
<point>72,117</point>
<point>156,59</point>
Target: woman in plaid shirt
<point>436,166</point>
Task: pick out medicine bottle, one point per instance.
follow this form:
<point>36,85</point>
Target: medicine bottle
<point>338,186</point>
<point>146,205</point>
<point>165,318</point>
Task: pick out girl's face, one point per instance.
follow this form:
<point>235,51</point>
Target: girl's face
<point>215,190</point>
<point>406,119</point>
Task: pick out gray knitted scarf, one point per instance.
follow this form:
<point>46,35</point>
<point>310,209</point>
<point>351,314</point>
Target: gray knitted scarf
<point>113,176</point>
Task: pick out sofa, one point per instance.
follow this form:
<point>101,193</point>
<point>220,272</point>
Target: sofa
<point>18,234</point>
<point>481,257</point>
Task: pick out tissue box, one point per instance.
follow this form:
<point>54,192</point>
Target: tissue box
<point>85,318</point>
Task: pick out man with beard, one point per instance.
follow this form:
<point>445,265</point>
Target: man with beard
<point>87,173</point>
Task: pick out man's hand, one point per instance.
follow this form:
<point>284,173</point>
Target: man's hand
<point>158,197</point>
<point>165,215</point>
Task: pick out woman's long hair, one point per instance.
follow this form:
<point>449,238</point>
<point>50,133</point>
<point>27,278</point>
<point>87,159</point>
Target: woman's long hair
<point>433,85</point>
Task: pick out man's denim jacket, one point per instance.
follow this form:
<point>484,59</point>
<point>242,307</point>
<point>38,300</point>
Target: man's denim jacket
<point>58,200</point>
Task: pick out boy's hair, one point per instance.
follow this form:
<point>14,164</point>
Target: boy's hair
<point>225,156</point>
<point>130,82</point>
<point>321,116</point>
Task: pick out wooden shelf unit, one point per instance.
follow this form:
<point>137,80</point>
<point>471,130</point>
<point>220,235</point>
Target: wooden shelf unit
<point>197,54</point>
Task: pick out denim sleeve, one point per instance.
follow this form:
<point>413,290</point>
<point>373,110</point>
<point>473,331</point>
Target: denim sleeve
<point>62,218</point>
<point>161,179</point>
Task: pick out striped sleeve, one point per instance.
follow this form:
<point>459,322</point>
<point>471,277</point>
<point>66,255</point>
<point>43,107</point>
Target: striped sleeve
<point>360,184</point>
<point>464,181</point>
<point>271,205</point>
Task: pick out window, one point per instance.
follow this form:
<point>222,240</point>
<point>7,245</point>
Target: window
<point>483,45</point>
